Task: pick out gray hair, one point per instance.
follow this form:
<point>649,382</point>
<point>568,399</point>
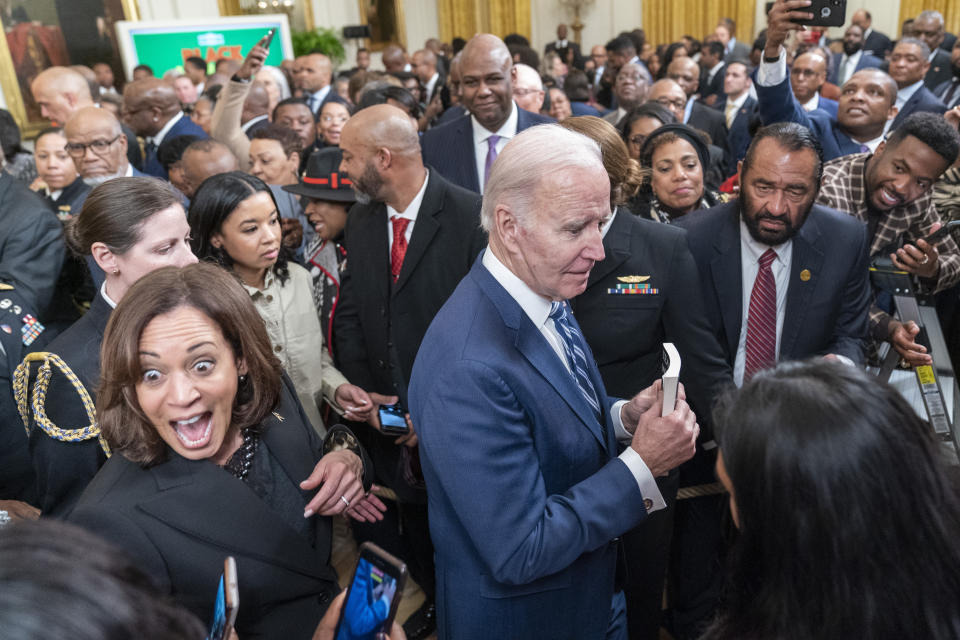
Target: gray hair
<point>533,154</point>
<point>932,15</point>
<point>924,47</point>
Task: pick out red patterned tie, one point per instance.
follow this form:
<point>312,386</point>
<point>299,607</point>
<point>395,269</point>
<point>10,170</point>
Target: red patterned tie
<point>762,320</point>
<point>399,248</point>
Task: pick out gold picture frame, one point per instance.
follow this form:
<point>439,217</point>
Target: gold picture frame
<point>386,21</point>
<point>301,17</point>
<point>15,81</point>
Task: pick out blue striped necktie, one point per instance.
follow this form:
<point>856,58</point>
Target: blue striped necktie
<point>575,349</point>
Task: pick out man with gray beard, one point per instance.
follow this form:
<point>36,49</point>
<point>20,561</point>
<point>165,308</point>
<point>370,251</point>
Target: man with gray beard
<point>410,238</point>
<point>98,147</point>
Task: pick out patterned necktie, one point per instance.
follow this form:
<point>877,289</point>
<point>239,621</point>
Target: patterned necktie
<point>864,149</point>
<point>951,94</point>
<point>573,346</point>
<point>312,102</point>
<point>731,113</point>
<point>491,156</point>
<point>762,320</point>
<point>399,248</point>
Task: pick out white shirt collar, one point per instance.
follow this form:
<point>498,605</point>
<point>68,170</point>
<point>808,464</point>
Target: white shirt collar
<point>158,138</point>
<point>54,195</point>
<point>933,54</point>
<point>739,101</point>
<point>561,43</point>
<point>252,121</point>
<point>903,95</point>
<point>507,130</point>
<point>320,94</point>
<point>713,70</point>
<point>873,144</point>
<point>129,172</point>
<point>410,213</point>
<point>103,292</point>
<point>866,34</point>
<point>855,58</point>
<point>533,304</point>
<point>431,83</point>
<point>609,223</point>
<point>812,103</point>
<point>688,109</point>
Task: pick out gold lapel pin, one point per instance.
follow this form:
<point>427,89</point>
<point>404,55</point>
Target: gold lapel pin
<point>805,275</point>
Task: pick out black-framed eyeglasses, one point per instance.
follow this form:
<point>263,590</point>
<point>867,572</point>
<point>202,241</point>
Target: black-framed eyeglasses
<point>79,149</point>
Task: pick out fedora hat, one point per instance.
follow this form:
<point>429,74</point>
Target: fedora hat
<point>322,180</point>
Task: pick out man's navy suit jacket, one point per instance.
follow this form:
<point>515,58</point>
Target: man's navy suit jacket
<point>449,148</point>
<point>922,100</point>
<point>866,62</point>
<point>184,127</point>
<point>828,298</point>
<point>524,493</point>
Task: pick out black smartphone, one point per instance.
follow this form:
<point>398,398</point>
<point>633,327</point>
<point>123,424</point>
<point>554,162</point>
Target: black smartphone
<point>826,13</point>
<point>270,34</point>
<point>373,595</point>
<point>227,603</point>
<point>940,233</point>
<point>393,419</point>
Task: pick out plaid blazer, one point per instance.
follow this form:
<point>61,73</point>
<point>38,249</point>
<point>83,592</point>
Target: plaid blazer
<point>844,188</point>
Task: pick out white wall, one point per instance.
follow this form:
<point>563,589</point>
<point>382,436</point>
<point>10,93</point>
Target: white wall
<point>177,9</point>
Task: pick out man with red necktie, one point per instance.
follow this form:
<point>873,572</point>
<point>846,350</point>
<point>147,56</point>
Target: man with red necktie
<point>783,278</point>
<point>410,238</point>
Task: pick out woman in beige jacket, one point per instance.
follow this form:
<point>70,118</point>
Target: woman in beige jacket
<point>234,222</point>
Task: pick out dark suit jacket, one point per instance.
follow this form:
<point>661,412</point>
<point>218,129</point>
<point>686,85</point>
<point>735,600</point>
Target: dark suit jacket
<point>378,325</point>
<point>626,332</point>
<point>828,106</point>
<point>525,496</point>
<point>866,62</point>
<point>31,244</point>
<point>134,156</point>
<point>449,147</point>
<point>940,70</point>
<point>825,313</point>
<point>877,44</point>
<point>778,104</point>
<point>738,137</point>
<point>921,100</point>
<point>715,86</point>
<point>943,89</point>
<point>184,127</point>
<point>179,519</point>
<point>711,122</point>
<point>71,198</point>
<point>259,124</point>
<point>577,55</point>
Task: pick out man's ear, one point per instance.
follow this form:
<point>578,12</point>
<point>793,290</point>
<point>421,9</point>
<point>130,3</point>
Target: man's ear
<point>892,113</point>
<point>880,148</point>
<point>506,224</point>
<point>104,257</point>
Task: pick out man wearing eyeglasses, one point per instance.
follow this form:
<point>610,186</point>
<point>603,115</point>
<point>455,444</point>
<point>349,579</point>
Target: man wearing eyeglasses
<point>98,147</point>
<point>630,88</point>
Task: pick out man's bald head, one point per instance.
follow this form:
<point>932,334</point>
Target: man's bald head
<point>99,146</point>
<point>204,159</point>
<point>486,89</point>
<point>527,88</point>
<point>256,104</point>
<point>394,59</point>
<point>312,72</point>
<point>60,92</point>
<point>686,73</point>
<point>383,126</point>
<point>424,64</point>
<point>669,94</point>
<point>148,105</point>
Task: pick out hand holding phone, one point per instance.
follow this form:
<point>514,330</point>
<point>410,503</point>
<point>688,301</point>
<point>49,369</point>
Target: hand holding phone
<point>942,232</point>
<point>373,595</point>
<point>393,419</point>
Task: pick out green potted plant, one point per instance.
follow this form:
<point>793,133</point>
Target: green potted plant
<point>321,40</point>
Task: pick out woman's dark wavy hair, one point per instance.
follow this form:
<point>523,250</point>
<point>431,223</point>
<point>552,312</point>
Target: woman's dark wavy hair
<point>219,296</point>
<point>218,197</point>
<point>61,581</point>
<point>849,514</point>
<point>667,58</point>
<point>646,110</point>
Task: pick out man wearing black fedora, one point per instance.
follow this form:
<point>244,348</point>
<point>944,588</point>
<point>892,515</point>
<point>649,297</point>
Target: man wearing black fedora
<point>410,239</point>
<point>325,195</point>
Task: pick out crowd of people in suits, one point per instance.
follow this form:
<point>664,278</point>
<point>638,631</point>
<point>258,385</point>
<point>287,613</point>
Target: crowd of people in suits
<point>210,284</point>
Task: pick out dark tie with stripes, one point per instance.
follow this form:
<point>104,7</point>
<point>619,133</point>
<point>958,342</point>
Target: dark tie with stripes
<point>762,320</point>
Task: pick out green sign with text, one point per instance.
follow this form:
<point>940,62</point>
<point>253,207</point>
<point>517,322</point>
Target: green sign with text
<point>166,48</point>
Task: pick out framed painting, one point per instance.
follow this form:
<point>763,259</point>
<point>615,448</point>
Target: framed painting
<point>385,18</point>
<point>44,33</point>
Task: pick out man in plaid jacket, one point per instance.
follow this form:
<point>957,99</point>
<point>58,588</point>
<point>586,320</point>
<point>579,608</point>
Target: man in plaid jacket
<point>891,190</point>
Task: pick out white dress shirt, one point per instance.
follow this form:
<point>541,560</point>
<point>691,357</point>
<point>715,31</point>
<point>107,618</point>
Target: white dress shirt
<point>537,309</point>
<point>813,103</point>
<point>319,96</point>
<point>713,71</point>
<point>903,95</point>
<point>873,144</point>
<point>750,252</point>
<point>431,83</point>
<point>688,109</point>
<point>480,135</point>
<point>410,213</point>
<point>160,135</point>
<point>848,65</point>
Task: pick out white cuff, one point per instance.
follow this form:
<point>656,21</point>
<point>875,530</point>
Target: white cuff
<point>845,360</point>
<point>652,499</point>
<point>623,436</point>
<point>770,74</point>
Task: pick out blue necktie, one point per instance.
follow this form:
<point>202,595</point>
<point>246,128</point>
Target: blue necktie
<point>574,347</point>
